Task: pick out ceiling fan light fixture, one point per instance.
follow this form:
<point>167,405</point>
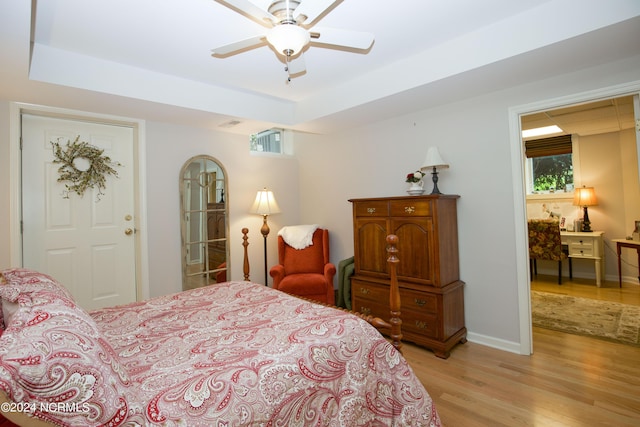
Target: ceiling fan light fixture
<point>288,39</point>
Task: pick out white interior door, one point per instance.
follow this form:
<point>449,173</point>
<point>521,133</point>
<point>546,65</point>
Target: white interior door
<point>86,243</point>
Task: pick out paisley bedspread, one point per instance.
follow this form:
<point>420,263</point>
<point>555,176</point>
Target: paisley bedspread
<point>242,354</point>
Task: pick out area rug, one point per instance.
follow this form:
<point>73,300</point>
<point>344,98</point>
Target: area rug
<point>582,316</point>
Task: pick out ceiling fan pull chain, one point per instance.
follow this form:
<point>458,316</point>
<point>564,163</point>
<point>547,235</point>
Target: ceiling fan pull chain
<point>287,68</point>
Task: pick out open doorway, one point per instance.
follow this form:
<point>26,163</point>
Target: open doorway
<point>601,142</point>
<point>579,110</point>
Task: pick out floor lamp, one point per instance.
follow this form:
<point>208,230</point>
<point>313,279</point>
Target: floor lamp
<point>265,205</point>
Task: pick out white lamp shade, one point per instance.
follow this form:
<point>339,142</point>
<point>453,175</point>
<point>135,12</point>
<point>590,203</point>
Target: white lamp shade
<point>265,203</point>
<point>288,39</point>
<point>434,160</point>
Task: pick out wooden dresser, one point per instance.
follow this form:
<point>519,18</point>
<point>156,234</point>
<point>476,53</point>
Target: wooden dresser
<point>431,292</point>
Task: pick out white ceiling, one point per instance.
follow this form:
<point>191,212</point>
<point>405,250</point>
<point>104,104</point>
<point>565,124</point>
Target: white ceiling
<point>152,57</point>
<point>592,118</point>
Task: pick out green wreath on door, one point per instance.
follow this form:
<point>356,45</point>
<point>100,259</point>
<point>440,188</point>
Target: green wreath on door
<point>83,166</point>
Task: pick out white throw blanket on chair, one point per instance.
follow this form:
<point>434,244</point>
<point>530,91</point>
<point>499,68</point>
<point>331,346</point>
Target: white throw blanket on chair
<point>298,236</point>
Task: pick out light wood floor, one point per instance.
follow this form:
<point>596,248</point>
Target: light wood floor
<point>608,291</point>
<point>194,280</point>
<point>569,380</point>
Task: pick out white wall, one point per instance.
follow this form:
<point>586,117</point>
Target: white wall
<point>169,147</point>
<point>474,138</point>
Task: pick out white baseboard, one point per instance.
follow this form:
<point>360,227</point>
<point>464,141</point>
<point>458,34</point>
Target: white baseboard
<point>633,280</point>
<point>500,344</point>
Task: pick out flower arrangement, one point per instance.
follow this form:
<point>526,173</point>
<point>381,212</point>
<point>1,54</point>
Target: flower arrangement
<point>415,177</point>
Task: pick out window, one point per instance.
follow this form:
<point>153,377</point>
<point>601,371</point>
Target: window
<point>549,164</point>
<point>267,141</point>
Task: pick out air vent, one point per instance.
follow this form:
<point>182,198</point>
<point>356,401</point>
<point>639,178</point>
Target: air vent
<point>230,124</point>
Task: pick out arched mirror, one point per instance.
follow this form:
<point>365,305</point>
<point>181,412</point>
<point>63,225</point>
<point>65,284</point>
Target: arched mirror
<point>204,212</point>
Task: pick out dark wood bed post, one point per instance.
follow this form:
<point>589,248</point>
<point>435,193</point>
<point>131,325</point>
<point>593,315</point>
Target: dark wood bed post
<point>245,243</point>
<point>394,292</point>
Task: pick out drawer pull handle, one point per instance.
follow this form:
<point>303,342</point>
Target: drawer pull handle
<point>371,210</point>
<point>421,325</point>
<point>409,209</point>
<point>365,310</point>
<point>420,302</point>
<point>364,291</point>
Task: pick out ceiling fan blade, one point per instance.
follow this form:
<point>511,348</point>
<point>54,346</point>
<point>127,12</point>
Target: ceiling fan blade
<point>239,46</point>
<point>342,38</point>
<point>250,10</point>
<point>297,65</point>
<point>312,10</point>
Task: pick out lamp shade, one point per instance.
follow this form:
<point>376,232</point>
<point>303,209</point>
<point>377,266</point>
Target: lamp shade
<point>434,160</point>
<point>265,203</point>
<point>585,196</point>
<point>288,39</point>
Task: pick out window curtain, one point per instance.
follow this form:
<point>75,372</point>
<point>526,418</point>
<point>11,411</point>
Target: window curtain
<point>548,146</point>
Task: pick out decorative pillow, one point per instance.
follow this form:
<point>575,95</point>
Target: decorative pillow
<point>19,280</point>
<point>54,360</point>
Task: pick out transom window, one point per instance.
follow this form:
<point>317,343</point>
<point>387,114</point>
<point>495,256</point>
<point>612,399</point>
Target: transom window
<point>268,141</point>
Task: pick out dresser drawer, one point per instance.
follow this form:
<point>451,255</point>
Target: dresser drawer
<point>372,208</point>
<point>418,301</point>
<point>420,323</point>
<point>369,291</point>
<point>410,207</point>
<point>369,307</point>
<point>411,300</point>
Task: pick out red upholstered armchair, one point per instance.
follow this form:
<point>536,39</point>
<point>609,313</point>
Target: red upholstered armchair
<point>306,272</point>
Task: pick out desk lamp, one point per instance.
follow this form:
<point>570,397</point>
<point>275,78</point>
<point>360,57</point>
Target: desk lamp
<point>585,196</point>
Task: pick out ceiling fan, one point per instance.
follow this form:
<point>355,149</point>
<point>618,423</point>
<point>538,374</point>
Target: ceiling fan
<point>290,23</point>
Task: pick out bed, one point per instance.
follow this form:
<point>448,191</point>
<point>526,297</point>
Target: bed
<point>229,354</point>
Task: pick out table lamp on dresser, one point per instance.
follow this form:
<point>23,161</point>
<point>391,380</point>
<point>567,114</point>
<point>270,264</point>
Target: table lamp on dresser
<point>434,161</point>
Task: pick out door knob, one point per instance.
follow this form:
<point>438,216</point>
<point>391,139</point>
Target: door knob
<point>128,231</point>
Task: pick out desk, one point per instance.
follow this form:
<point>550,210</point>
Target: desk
<point>586,246</point>
<point>624,243</point>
